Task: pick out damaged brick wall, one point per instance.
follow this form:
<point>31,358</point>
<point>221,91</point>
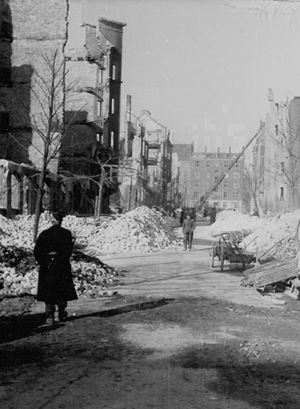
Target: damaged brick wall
<point>35,34</point>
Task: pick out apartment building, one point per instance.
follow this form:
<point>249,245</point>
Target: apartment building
<point>206,170</point>
<point>276,157</point>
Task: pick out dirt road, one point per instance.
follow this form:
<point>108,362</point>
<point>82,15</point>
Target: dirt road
<point>208,344</point>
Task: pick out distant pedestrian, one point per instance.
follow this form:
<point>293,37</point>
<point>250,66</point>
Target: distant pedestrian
<point>213,213</point>
<point>188,227</point>
<point>52,251</point>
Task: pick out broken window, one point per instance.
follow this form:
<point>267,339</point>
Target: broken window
<point>112,105</point>
<point>114,71</point>
<point>112,138</point>
<point>99,108</point>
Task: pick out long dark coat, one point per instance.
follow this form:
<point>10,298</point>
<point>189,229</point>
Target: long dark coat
<point>55,282</point>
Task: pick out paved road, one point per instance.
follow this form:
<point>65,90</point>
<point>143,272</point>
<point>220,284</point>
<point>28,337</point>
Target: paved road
<point>206,345</point>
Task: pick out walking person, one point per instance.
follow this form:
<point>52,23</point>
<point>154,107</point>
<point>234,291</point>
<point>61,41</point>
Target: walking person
<point>188,227</point>
<point>52,251</point>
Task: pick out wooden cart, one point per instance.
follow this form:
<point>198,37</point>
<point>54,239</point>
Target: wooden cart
<point>227,248</point>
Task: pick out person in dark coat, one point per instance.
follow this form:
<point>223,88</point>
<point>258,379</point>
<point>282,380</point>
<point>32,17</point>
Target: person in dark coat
<point>52,251</point>
<point>188,227</point>
<point>213,213</point>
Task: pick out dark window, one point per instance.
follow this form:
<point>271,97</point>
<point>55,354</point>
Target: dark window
<point>282,166</point>
<point>224,195</point>
<point>4,121</point>
<point>6,31</point>
<point>276,129</point>
<point>5,76</point>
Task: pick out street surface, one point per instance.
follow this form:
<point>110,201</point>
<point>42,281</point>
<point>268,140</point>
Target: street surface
<point>178,336</point>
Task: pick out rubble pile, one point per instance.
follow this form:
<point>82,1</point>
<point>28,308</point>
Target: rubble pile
<point>142,230</point>
<point>275,237</point>
<point>139,230</point>
<point>18,273</point>
<point>230,220</point>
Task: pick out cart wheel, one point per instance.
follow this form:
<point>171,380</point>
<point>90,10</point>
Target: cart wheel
<point>222,256</point>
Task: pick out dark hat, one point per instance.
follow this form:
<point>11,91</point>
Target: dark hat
<point>59,215</point>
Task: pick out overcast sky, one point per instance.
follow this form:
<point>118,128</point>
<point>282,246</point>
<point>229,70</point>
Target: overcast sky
<point>203,67</point>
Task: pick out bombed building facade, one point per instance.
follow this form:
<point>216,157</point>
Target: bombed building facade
<point>87,88</point>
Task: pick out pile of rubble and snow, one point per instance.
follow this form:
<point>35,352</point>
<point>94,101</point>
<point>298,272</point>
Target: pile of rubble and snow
<point>270,235</point>
<point>141,230</point>
<point>233,220</point>
<point>275,237</point>
<point>19,274</point>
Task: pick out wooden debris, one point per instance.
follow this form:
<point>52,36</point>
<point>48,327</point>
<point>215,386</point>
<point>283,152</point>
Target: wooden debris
<point>270,273</point>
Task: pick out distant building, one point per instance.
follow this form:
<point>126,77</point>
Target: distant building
<point>207,169</point>
<point>182,154</point>
<point>148,152</point>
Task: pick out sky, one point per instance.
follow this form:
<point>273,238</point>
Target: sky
<point>203,67</point>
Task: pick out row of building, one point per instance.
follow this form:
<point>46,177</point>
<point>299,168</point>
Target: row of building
<point>61,82</point>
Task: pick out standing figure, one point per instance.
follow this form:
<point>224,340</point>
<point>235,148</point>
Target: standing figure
<point>52,251</point>
<point>213,213</point>
<point>188,227</point>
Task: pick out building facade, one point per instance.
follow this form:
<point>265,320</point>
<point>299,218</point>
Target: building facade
<point>182,155</point>
<point>276,157</point>
<point>87,84</point>
<point>206,170</point>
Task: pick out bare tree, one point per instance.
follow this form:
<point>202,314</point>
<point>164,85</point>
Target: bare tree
<point>107,176</point>
<point>252,189</point>
<point>46,120</point>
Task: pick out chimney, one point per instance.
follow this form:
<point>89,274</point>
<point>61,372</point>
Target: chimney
<point>205,149</point>
<point>128,107</point>
<point>229,150</point>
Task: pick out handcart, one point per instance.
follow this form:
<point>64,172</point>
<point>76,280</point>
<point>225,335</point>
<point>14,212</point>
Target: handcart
<point>227,248</point>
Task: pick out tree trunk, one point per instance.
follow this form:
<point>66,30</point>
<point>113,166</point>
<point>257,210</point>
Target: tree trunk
<point>38,204</point>
<point>99,198</point>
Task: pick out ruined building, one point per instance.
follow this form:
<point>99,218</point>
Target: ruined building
<point>92,113</point>
<point>276,157</point>
<point>148,150</point>
<point>87,103</point>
